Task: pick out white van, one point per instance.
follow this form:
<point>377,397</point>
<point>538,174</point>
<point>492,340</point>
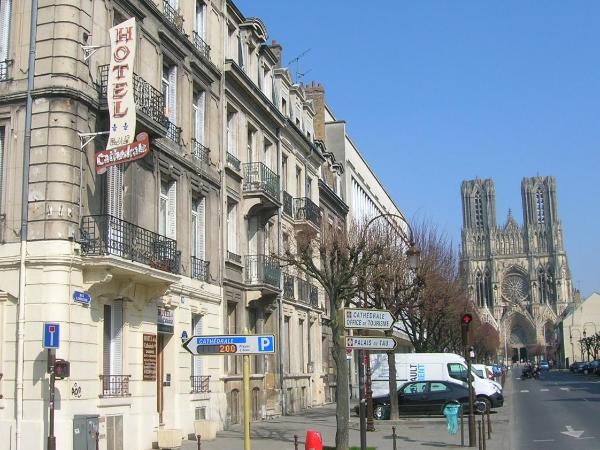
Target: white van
<point>430,366</point>
<point>481,371</point>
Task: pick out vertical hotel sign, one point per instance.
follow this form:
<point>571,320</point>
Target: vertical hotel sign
<point>121,102</point>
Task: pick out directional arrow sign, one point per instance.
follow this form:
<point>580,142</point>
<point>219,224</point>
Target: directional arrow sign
<point>374,319</point>
<point>571,432</point>
<point>370,343</point>
<point>233,344</point>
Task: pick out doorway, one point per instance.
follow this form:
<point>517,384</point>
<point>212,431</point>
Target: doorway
<point>162,341</point>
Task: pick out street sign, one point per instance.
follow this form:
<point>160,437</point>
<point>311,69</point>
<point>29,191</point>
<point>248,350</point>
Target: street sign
<point>51,335</point>
<point>370,343</point>
<point>82,297</point>
<point>228,345</point>
<point>373,319</point>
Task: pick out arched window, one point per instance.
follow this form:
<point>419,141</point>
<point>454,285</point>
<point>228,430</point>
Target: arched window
<point>542,288</point>
<point>479,290</point>
<point>478,210</point>
<point>539,206</point>
<point>487,286</point>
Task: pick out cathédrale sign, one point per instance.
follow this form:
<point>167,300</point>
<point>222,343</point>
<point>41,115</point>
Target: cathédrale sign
<point>130,152</point>
<point>121,102</point>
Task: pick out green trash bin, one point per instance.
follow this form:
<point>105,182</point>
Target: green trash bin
<point>452,413</point>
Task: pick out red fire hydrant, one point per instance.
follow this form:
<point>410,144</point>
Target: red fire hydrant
<point>313,440</point>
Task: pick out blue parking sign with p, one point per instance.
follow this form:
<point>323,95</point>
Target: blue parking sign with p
<point>51,335</point>
<point>266,344</point>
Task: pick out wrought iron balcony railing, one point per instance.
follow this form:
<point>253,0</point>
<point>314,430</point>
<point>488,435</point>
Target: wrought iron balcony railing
<point>173,131</point>
<point>258,177</point>
<point>200,269</point>
<point>4,70</point>
<point>261,269</point>
<point>115,385</point>
<point>148,99</point>
<point>288,204</point>
<point>108,235</point>
<point>233,162</point>
<point>200,152</point>
<point>201,45</point>
<point>172,15</point>
<point>200,383</point>
<point>234,257</point>
<point>306,209</point>
<point>288,286</point>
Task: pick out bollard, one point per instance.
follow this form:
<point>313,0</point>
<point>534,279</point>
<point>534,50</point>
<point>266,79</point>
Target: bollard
<point>295,442</point>
<point>489,425</point>
<point>480,443</point>
<point>97,439</point>
<point>483,440</point>
<point>462,426</point>
<point>313,440</point>
<point>198,440</point>
<point>394,437</point>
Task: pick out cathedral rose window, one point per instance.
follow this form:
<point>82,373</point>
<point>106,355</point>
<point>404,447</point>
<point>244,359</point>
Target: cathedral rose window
<point>514,288</point>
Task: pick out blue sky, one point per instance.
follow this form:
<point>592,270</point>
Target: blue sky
<point>435,92</point>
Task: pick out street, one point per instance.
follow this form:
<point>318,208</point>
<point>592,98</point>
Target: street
<point>558,411</point>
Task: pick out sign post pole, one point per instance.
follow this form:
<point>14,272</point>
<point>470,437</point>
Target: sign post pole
<point>51,438</point>
<point>246,383</point>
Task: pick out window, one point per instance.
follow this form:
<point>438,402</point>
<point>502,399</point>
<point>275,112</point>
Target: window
<point>268,154</point>
<point>298,182</point>
<point>284,168</point>
<point>232,361</point>
<point>232,227</point>
<point>200,19</point>
<point>267,82</point>
<point>198,228</point>
<point>301,345</point>
<point>232,49</point>
<point>5,15</point>
<point>198,108</point>
<point>167,210</point>
<point>169,91</point>
<point>308,187</point>
<point>250,145</point>
<point>438,387</point>
<point>415,388</point>
<point>478,211</point>
<point>457,371</point>
<point>539,206</point>
<point>197,330</point>
<point>231,133</point>
<point>284,107</point>
<point>113,348</point>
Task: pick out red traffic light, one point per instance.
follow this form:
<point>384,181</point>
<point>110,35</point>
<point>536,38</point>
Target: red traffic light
<point>467,319</point>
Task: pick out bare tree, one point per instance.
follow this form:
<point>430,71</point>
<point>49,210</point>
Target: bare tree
<point>336,258</point>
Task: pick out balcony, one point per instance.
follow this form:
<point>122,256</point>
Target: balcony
<point>148,100</point>
<point>200,152</point>
<point>107,235</point>
<point>173,132</point>
<point>201,45</point>
<point>173,16</point>
<point>114,385</point>
<point>305,210</point>
<point>200,269</point>
<point>234,257</point>
<point>200,384</point>
<point>288,204</point>
<point>262,270</point>
<point>4,70</point>
<point>261,189</point>
<point>233,163</point>
<point>288,286</point>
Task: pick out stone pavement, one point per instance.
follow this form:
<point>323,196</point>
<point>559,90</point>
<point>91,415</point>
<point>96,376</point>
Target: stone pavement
<point>413,433</point>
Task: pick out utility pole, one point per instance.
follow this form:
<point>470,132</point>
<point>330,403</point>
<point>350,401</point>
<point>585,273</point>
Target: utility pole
<point>465,322</point>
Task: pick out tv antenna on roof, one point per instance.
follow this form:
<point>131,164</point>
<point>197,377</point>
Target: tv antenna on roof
<point>296,60</point>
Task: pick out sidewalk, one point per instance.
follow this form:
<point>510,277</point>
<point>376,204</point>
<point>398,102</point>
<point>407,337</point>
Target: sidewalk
<point>278,434</point>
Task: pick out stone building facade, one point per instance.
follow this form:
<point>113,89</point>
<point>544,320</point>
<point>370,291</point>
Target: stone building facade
<point>517,275</point>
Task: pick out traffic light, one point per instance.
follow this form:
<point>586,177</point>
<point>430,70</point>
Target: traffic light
<point>465,320</point>
<point>62,369</point>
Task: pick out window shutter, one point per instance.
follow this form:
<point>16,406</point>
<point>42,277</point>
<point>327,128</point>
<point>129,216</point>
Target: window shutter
<point>2,153</point>
<point>200,19</point>
<point>106,341</point>
<point>234,134</point>
<point>172,211</point>
<point>114,191</point>
<point>5,13</point>
<point>201,229</point>
<point>197,360</point>
<point>116,341</point>
<point>199,125</point>
<point>173,94</point>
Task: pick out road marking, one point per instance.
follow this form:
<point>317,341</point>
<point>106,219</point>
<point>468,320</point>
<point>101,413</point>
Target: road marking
<point>564,389</point>
<point>571,432</point>
<point>524,390</point>
<point>544,390</point>
<point>543,440</point>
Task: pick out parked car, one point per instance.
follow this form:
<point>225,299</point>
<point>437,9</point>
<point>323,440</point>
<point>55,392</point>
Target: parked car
<point>421,397</point>
<point>575,366</point>
<point>544,365</point>
<point>590,367</point>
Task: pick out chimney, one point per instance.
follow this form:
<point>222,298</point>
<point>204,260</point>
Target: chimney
<point>277,50</point>
<point>316,93</point>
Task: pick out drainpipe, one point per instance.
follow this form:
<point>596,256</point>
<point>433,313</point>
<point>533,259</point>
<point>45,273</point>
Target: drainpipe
<point>282,392</point>
<point>24,220</point>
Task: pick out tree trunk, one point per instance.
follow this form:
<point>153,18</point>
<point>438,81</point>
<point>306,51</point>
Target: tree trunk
<point>393,385</point>
<point>342,410</point>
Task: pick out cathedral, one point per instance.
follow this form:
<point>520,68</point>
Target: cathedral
<point>516,274</point>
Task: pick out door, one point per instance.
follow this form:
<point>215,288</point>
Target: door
<point>160,370</point>
<point>439,395</point>
<point>412,397</point>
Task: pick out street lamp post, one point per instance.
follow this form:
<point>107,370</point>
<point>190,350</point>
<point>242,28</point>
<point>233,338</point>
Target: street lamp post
<point>413,255</point>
